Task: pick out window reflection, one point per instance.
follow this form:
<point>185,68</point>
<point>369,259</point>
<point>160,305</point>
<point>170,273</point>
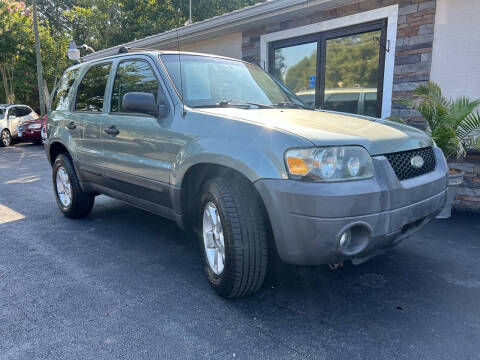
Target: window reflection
<point>351,73</point>
<point>296,67</point>
<point>91,90</point>
<point>66,82</point>
<point>133,76</point>
<point>349,80</point>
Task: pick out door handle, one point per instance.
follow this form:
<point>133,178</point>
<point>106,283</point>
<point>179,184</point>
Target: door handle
<point>111,130</point>
<point>71,125</point>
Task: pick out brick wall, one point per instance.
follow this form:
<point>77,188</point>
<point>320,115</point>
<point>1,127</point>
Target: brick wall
<point>413,50</point>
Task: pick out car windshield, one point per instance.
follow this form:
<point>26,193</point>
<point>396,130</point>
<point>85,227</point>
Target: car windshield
<point>216,82</point>
<point>2,113</point>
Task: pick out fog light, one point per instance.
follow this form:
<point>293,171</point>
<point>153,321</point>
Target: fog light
<point>344,239</point>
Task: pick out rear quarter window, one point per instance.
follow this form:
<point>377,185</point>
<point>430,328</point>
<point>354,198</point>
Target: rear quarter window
<point>59,101</point>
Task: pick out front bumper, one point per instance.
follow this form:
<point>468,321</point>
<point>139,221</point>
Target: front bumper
<point>308,218</point>
<point>30,134</point>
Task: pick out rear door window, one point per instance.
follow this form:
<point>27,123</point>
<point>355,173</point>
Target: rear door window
<point>91,90</point>
<point>64,85</point>
<point>133,76</point>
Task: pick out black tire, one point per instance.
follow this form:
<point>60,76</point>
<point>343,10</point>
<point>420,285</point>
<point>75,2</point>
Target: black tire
<point>81,203</point>
<point>245,236</point>
<point>5,138</point>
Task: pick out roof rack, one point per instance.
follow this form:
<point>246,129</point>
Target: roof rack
<point>125,49</point>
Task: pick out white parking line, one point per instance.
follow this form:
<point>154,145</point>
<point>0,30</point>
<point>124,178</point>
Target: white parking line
<point>8,215</point>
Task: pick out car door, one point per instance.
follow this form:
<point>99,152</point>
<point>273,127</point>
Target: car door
<point>136,146</point>
<point>87,113</point>
<point>12,120</point>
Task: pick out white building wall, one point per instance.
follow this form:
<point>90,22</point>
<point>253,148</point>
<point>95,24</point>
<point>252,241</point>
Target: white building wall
<point>456,48</point>
<point>227,45</point>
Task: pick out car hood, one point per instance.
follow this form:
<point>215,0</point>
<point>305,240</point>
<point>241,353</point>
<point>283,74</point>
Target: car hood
<point>325,128</point>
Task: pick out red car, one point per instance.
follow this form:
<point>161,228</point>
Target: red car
<point>31,130</point>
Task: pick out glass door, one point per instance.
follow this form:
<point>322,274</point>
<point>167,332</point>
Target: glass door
<point>296,67</point>
<point>339,70</point>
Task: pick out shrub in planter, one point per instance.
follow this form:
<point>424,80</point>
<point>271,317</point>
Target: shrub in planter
<point>454,125</point>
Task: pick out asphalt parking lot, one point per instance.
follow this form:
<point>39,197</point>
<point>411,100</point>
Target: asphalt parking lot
<point>126,284</point>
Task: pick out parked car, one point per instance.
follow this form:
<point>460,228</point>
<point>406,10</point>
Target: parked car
<point>11,117</point>
<point>361,101</point>
<point>31,130</point>
<point>219,146</point>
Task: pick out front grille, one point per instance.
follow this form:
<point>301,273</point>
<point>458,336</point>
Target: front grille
<point>401,163</point>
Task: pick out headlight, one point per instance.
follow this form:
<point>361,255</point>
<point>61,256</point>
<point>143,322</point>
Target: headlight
<point>329,163</point>
<point>34,126</point>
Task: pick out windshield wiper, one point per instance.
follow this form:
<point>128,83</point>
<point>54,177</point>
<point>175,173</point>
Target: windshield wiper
<point>236,103</point>
<point>290,104</point>
<point>225,103</point>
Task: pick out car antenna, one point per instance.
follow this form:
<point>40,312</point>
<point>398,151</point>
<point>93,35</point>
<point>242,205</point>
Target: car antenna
<point>181,77</point>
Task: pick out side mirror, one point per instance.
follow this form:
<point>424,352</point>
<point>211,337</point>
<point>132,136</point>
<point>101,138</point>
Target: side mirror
<point>143,103</point>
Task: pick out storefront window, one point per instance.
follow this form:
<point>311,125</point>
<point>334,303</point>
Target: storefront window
<point>296,67</point>
<point>351,72</point>
<point>339,70</point>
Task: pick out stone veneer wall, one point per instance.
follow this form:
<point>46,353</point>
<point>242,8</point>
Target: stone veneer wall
<point>413,55</point>
<point>468,194</point>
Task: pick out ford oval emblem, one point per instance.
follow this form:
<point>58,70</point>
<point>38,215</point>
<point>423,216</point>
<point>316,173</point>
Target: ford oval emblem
<point>417,161</point>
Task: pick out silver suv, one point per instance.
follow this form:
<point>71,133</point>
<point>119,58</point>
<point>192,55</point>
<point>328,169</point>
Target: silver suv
<point>220,146</point>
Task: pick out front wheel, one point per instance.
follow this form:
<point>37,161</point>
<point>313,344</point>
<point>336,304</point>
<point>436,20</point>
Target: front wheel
<point>5,138</point>
<point>233,237</point>
<point>71,199</point>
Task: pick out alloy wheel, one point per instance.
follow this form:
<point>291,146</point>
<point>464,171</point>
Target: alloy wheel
<point>6,139</point>
<point>213,241</point>
<point>64,188</point>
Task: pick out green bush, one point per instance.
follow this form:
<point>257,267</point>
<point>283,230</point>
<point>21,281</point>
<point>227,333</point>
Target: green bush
<point>453,124</point>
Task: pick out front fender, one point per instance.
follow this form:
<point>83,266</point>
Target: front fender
<point>256,157</point>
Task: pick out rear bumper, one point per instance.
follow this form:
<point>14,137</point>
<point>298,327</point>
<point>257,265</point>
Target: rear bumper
<point>308,218</point>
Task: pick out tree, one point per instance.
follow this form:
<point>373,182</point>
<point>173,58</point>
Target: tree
<point>17,54</point>
<point>15,36</point>
<point>105,23</point>
<point>98,23</point>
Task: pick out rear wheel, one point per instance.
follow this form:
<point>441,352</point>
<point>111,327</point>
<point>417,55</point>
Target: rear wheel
<point>71,199</point>
<point>233,237</point>
<point>5,138</point>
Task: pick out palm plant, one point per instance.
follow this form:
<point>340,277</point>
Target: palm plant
<point>453,124</point>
